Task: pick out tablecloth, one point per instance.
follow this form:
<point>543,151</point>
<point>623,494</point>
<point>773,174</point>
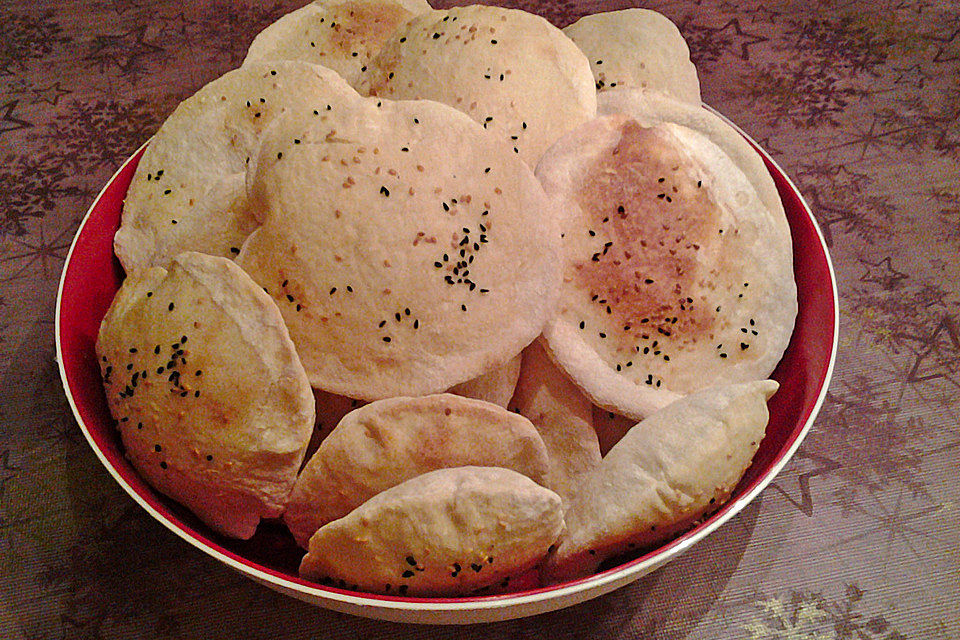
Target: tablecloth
<point>857,538</point>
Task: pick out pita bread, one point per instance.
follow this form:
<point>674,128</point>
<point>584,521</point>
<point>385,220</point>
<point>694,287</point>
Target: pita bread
<point>511,71</point>
<point>562,415</point>
<point>637,48</point>
<point>447,532</point>
<point>651,108</point>
<point>407,250</point>
<point>211,401</point>
<point>676,275</point>
<point>188,190</point>
<point>671,469</point>
<point>342,35</point>
<point>387,442</point>
<point>495,386</point>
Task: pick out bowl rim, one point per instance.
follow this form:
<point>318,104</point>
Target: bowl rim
<point>548,597</point>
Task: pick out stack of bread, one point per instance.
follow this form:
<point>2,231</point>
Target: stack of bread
<point>460,297</point>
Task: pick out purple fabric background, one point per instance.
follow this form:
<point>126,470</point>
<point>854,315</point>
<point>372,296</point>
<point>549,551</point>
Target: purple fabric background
<point>858,538</point>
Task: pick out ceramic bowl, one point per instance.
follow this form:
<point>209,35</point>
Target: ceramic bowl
<point>92,275</point>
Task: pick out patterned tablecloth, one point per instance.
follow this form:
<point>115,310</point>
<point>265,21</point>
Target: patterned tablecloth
<point>859,536</point>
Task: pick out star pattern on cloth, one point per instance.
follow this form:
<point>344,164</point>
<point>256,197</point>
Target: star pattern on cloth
<point>894,521</point>
<point>821,465</point>
<point>883,273</point>
<point>8,122</point>
<point>713,42</point>
<point>125,52</point>
<point>943,347</point>
<point>35,253</point>
<point>49,95</point>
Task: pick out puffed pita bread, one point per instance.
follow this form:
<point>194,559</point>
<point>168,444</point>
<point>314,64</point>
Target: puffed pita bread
<point>637,48</point>
<point>408,251</point>
<point>509,70</point>
<point>210,399</point>
<point>650,108</point>
<point>342,35</point>
<point>188,191</point>
<point>495,386</point>
<point>390,441</point>
<point>666,472</point>
<point>447,532</point>
<point>562,415</point>
<point>676,275</point>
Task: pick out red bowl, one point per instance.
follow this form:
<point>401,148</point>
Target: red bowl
<point>92,275</point>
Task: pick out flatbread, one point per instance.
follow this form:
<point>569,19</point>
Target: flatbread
<point>650,108</point>
<point>390,441</point>
<point>211,401</point>
<point>495,386</point>
<point>447,532</point>
<point>188,191</point>
<point>342,35</point>
<point>562,415</point>
<point>637,48</point>
<point>676,275</point>
<point>509,70</point>
<point>671,469</point>
<point>407,250</point>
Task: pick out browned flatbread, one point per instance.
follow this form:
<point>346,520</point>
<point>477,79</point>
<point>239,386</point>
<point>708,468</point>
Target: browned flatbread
<point>212,403</point>
<point>447,532</point>
<point>389,441</point>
